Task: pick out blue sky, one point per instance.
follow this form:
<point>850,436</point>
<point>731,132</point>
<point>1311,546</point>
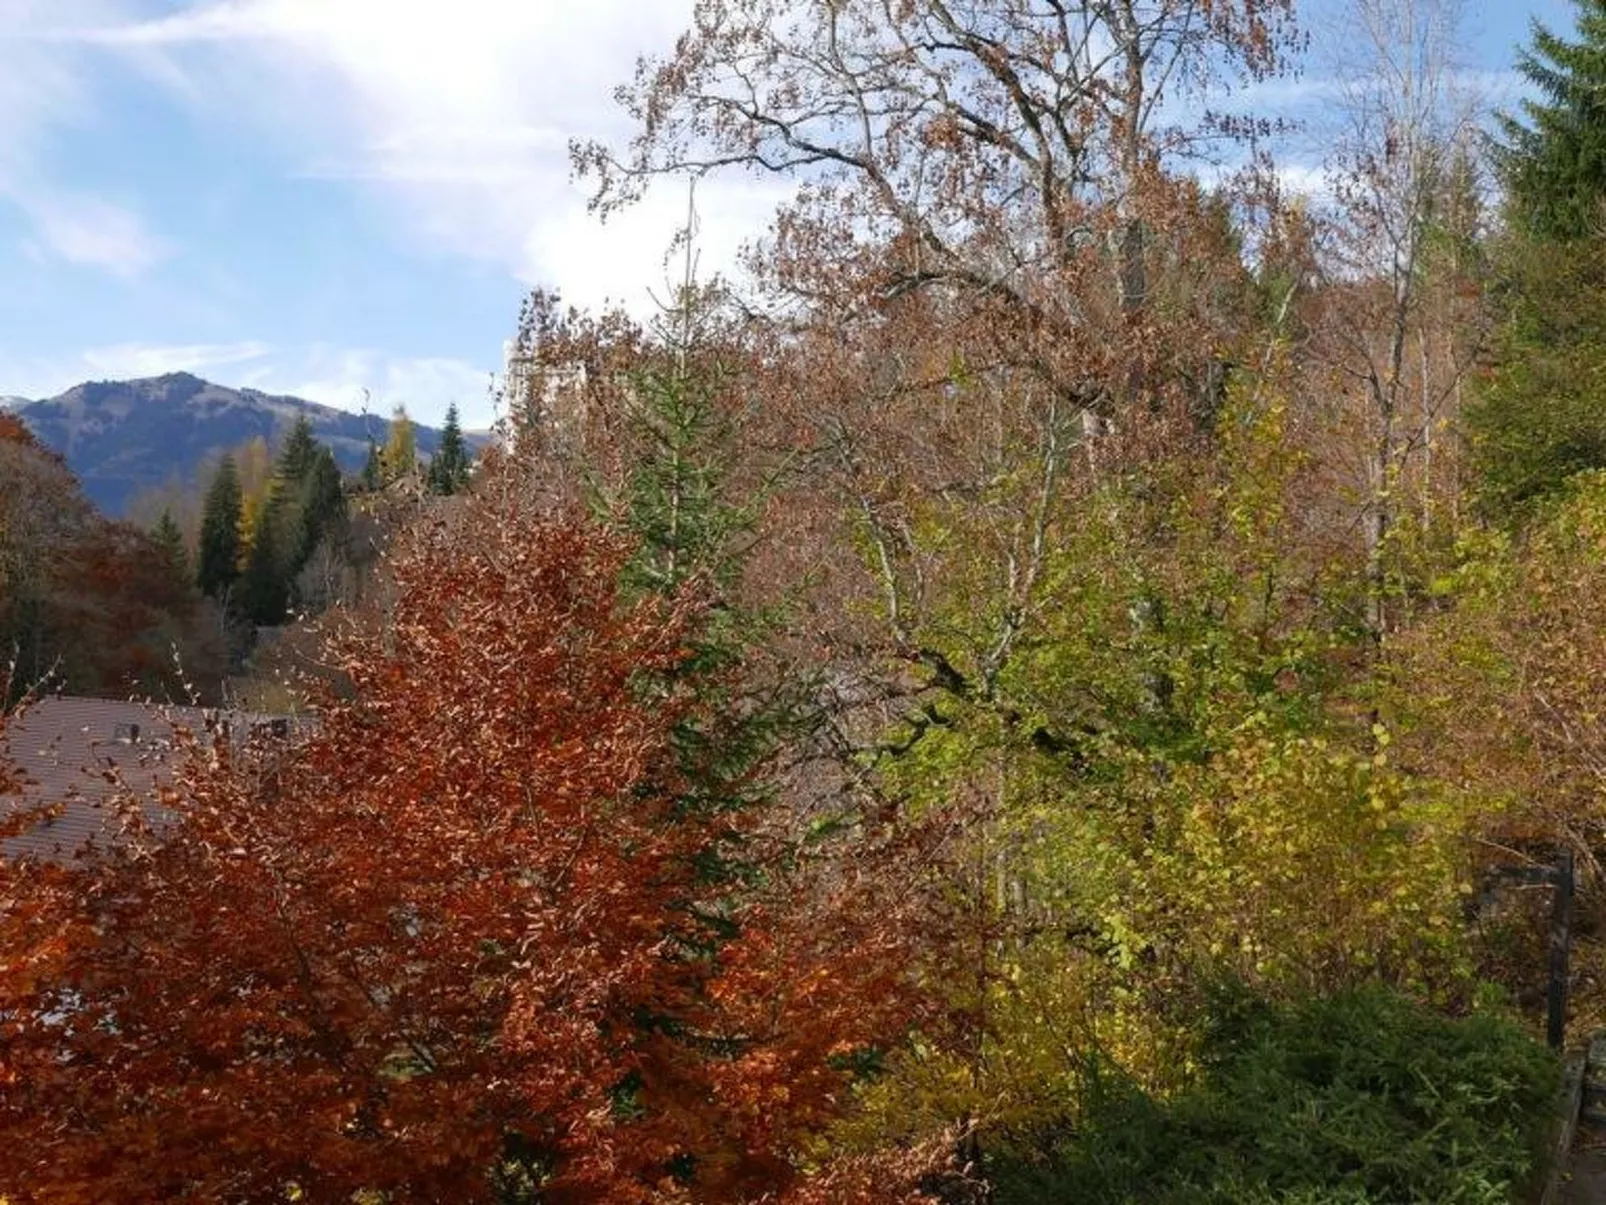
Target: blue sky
<point>323,197</point>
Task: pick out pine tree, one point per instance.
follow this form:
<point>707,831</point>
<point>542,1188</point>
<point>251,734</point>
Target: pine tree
<point>298,452</point>
<point>320,508</point>
<point>1553,156</point>
<point>448,469</point>
<point>323,498</point>
<point>218,560</point>
<point>304,505</point>
<point>1539,417</point>
<point>264,586</point>
<point>692,528</point>
<point>170,544</point>
<point>373,469</point>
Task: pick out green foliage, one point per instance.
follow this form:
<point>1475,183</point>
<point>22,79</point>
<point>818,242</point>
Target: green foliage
<point>298,451</point>
<point>264,589</point>
<point>1553,157</point>
<point>1363,1097</point>
<point>320,506</point>
<point>678,502</point>
<point>1540,415</point>
<point>373,470</point>
<point>170,544</point>
<point>677,492</point>
<point>448,468</point>
<point>1163,772</point>
<point>217,567</point>
<point>305,506</point>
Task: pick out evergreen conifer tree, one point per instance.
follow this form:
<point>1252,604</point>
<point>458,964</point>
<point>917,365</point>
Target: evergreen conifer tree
<point>320,509</point>
<point>373,469</point>
<point>170,544</point>
<point>299,450</point>
<point>264,586</point>
<point>304,505</point>
<point>693,527</point>
<point>1539,417</point>
<point>448,469</point>
<point>219,554</point>
<point>1553,156</point>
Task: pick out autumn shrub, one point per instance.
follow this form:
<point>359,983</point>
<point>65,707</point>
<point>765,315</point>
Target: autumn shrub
<point>1499,697</point>
<point>1503,691</point>
<point>94,606</point>
<point>1171,779</point>
<point>1356,1099</point>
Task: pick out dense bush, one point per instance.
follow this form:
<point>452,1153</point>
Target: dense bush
<point>1364,1097</point>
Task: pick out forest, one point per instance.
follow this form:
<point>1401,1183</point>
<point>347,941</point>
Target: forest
<point>1027,692</point>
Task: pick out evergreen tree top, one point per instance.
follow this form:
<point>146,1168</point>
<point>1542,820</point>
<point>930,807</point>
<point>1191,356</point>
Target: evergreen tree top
<point>226,479</point>
<point>220,535</point>
<point>298,453</point>
<point>166,527</point>
<point>169,541</point>
<point>449,467</point>
<point>1552,156</point>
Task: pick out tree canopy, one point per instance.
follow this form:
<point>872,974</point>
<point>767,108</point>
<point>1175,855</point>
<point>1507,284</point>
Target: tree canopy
<point>1552,156</point>
<point>451,949</point>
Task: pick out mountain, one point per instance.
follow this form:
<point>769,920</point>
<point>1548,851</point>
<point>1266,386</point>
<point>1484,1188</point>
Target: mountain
<point>121,437</point>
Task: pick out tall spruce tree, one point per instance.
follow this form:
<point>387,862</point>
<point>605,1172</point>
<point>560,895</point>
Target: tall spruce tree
<point>169,542</point>
<point>1538,416</point>
<point>373,469</point>
<point>1552,156</point>
<point>298,452</point>
<point>693,527</point>
<point>320,506</point>
<point>448,468</point>
<point>264,586</point>
<point>217,566</point>
<point>305,505</point>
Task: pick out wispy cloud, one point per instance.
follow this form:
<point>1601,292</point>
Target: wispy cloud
<point>89,232</point>
<point>355,378</point>
<point>44,376</point>
<point>46,88</point>
<point>457,115</point>
<point>154,359</point>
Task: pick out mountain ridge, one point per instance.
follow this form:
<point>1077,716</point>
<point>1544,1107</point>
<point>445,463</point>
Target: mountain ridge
<point>124,437</point>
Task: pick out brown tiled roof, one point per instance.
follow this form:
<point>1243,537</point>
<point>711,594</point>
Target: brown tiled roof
<point>79,755</point>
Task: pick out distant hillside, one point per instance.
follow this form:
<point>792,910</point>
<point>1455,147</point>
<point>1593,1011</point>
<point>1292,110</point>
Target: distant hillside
<point>121,437</point>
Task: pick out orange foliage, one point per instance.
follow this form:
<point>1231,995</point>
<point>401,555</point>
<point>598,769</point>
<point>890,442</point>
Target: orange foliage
<point>13,431</point>
<point>456,941</point>
<point>92,605</point>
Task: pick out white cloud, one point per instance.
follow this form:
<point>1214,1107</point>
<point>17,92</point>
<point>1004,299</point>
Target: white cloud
<point>352,378</point>
<point>90,232</point>
<point>38,376</point>
<point>44,87</point>
<point>122,360</point>
<point>459,115</point>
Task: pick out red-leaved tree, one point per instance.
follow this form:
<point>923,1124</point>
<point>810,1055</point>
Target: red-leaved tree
<point>456,943</point>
